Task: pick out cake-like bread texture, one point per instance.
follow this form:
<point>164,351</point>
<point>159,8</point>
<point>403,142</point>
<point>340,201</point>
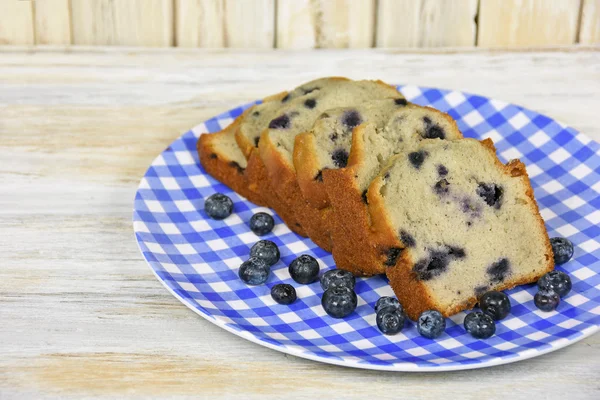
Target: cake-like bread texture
<point>388,130</point>
<point>276,143</point>
<point>452,222</point>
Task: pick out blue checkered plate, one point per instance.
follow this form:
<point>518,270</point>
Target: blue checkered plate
<point>197,258</point>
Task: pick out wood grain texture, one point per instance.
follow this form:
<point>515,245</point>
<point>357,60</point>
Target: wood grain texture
<point>122,22</point>
<point>52,21</point>
<point>589,31</point>
<point>426,23</point>
<point>200,23</point>
<point>82,315</point>
<point>527,22</point>
<point>16,22</point>
<point>250,24</point>
<point>308,24</point>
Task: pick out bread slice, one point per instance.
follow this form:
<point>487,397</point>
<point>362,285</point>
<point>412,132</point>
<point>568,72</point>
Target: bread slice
<point>452,222</point>
<point>386,132</point>
<point>276,143</point>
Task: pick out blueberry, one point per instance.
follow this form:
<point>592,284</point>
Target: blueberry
<point>495,304</point>
<point>431,324</point>
<point>337,277</point>
<point>339,301</point>
<point>480,325</point>
<point>283,293</point>
<point>407,239</point>
<point>261,223</point>
<point>428,268</point>
<point>392,256</point>
<point>557,281</point>
<point>390,320</point>
<point>388,301</point>
<point>218,206</point>
<point>401,102</point>
<point>442,170</point>
<point>281,122</point>
<point>255,271</point>
<point>351,118</point>
<point>546,300</point>
<point>434,131</point>
<point>310,103</point>
<point>416,158</point>
<point>442,187</point>
<point>490,193</point>
<point>499,270</point>
<point>304,269</point>
<point>562,249</point>
<point>266,250</point>
<point>340,158</point>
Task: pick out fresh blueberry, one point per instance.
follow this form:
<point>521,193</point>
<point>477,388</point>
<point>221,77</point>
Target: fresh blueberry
<point>388,301</point>
<point>304,269</point>
<point>218,206</point>
<point>390,320</point>
<point>266,250</point>
<point>283,293</point>
<point>337,277</point>
<point>261,223</point>
<point>562,249</point>
<point>339,301</point>
<point>431,324</point>
<point>480,325</point>
<point>255,271</point>
<point>546,300</point>
<point>495,304</point>
<point>557,281</point>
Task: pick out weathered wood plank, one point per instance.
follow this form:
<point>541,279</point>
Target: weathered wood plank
<point>200,23</point>
<point>117,22</point>
<point>52,22</point>
<point>589,31</point>
<point>527,22</point>
<point>16,22</point>
<point>310,24</point>
<point>426,23</point>
<point>250,24</point>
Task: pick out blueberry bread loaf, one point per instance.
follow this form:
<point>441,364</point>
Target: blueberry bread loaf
<point>452,222</point>
<point>372,144</point>
<point>276,143</point>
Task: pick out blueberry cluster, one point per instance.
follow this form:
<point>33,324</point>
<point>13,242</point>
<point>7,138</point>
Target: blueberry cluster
<point>339,297</point>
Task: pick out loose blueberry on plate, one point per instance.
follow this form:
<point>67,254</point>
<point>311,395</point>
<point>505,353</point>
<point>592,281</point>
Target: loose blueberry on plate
<point>261,223</point>
<point>255,271</point>
<point>339,302</point>
<point>337,277</point>
<point>480,325</point>
<point>304,269</point>
<point>266,250</point>
<point>387,301</point>
<point>390,320</point>
<point>218,206</point>
<point>546,300</point>
<point>283,293</point>
<point>562,249</point>
<point>431,324</point>
<point>495,304</point>
<point>557,281</point>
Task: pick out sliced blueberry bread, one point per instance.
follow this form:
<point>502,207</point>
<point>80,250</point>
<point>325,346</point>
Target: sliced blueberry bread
<point>452,222</point>
<point>276,143</point>
<point>372,144</point>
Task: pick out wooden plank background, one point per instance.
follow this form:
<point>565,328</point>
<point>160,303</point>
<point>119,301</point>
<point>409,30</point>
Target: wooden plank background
<point>300,24</point>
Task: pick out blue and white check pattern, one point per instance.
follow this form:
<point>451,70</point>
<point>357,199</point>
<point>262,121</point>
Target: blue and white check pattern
<point>197,258</point>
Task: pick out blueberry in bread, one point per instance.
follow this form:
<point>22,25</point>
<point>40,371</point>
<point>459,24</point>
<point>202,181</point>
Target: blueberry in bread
<point>401,125</point>
<point>448,235</point>
<point>276,143</point>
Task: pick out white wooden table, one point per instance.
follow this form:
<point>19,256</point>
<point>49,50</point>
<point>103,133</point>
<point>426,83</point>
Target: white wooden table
<point>80,312</point>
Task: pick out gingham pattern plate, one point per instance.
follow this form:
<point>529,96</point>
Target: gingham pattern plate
<point>197,258</point>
